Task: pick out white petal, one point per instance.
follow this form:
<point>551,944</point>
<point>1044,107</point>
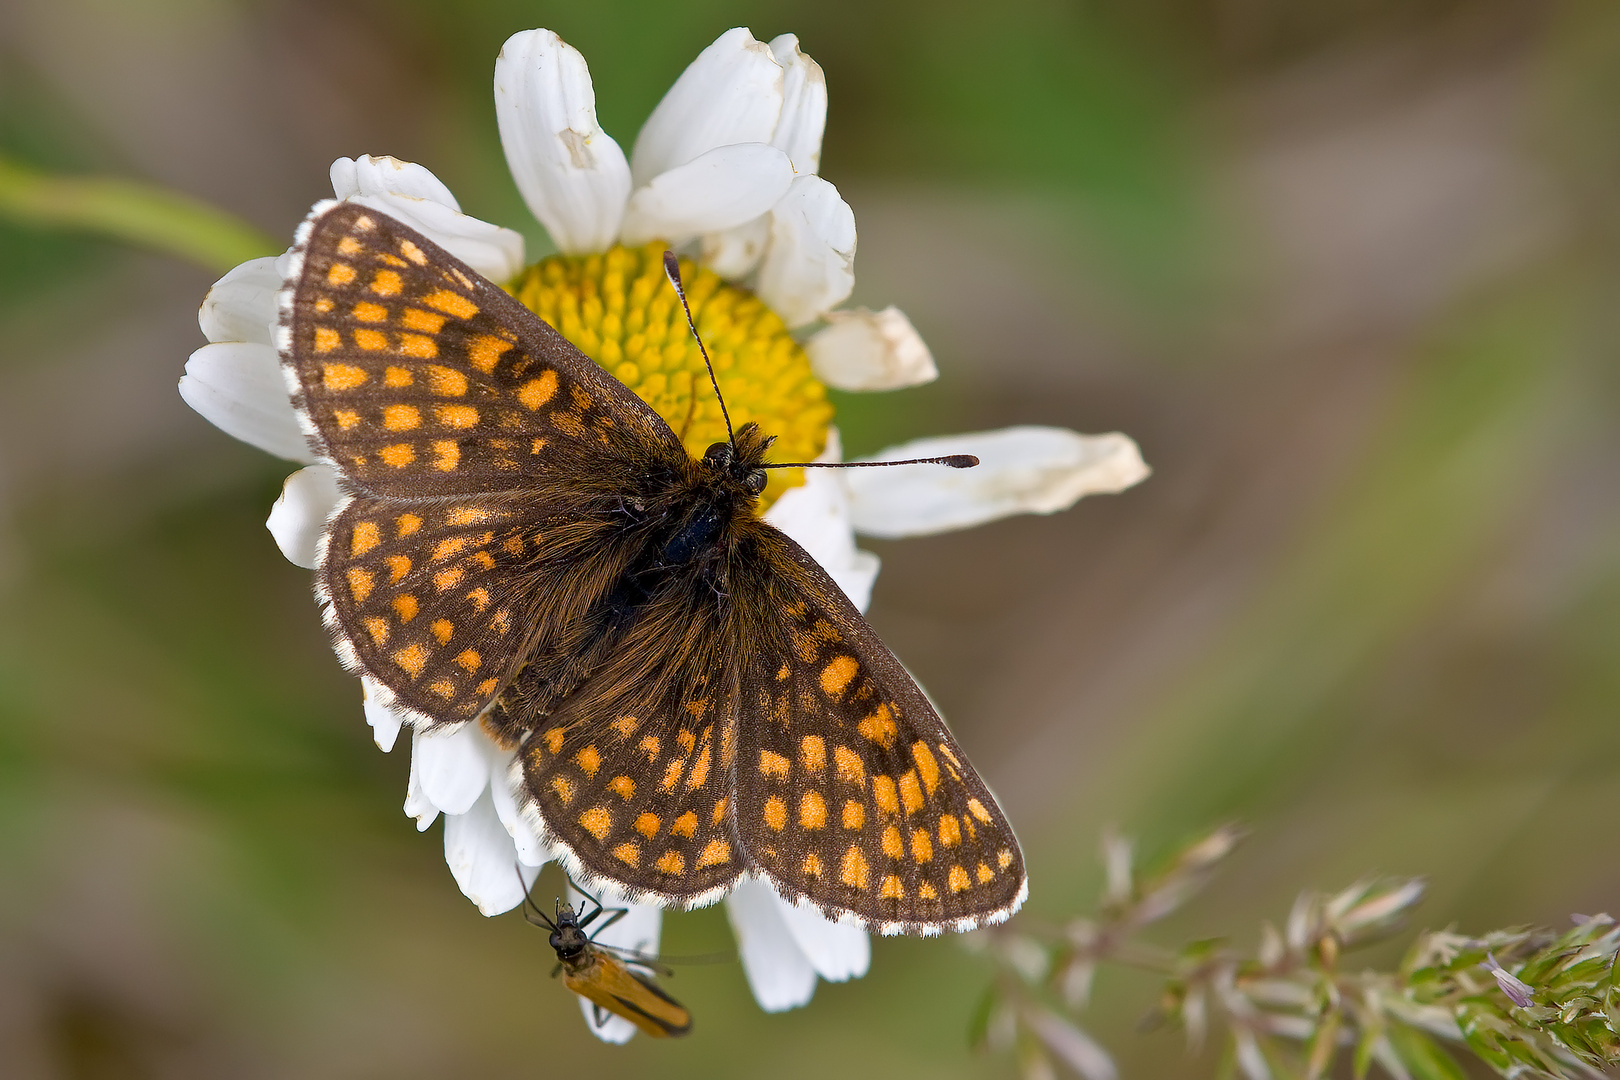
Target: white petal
<point>816,514</point>
<point>571,173</point>
<point>481,857</point>
<point>379,174</point>
<point>804,105</point>
<point>531,852</point>
<point>638,930</point>
<point>733,253</point>
<point>385,722</point>
<point>732,93</point>
<point>417,804</point>
<point>242,305</point>
<point>451,766</point>
<point>237,387</point>
<point>1022,470</point>
<point>809,267</point>
<point>778,972</point>
<point>837,952</point>
<point>870,350</point>
<point>298,518</point>
<point>721,189</point>
<point>411,193</point>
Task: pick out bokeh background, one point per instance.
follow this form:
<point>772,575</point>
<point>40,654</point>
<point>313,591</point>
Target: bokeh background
<point>1347,270</point>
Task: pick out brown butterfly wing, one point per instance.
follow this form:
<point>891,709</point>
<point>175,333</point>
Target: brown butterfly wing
<point>849,790</point>
<point>418,378</point>
<point>630,775</point>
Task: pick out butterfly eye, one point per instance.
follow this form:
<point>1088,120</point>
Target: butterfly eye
<point>718,456</point>
<point>755,482</point>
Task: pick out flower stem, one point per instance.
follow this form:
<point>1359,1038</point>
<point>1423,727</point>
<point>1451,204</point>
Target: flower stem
<point>135,213</point>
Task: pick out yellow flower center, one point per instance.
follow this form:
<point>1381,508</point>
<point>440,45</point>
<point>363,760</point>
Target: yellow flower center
<point>622,312</point>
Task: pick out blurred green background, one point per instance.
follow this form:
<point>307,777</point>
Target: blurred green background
<point>1347,269</point>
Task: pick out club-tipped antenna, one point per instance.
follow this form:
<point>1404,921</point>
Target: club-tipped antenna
<point>950,461</point>
<point>672,269</point>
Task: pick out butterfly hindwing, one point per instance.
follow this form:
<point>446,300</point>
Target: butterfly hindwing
<point>419,378</point>
<point>850,791</point>
<point>631,774</point>
<point>423,597</point>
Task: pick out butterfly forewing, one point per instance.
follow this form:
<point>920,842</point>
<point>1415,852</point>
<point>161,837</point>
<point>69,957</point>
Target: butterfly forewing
<point>418,378</point>
<point>850,791</point>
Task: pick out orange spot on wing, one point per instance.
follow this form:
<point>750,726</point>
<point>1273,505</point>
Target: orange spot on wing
<point>984,873</point>
<point>647,824</point>
<point>451,303</point>
<point>366,536</point>
<point>671,863</point>
<point>340,274</point>
<point>406,607</point>
<point>413,658</point>
<point>398,455</point>
<point>922,846</point>
<point>366,311</point>
<point>449,546</point>
<point>891,889</point>
<point>596,821</point>
<point>588,760</point>
<point>443,687</point>
<point>407,524</point>
<point>341,376</point>
<point>446,455</point>
<point>685,825</point>
<point>836,675</point>
<point>894,845</point>
<point>950,833</point>
<point>536,392</point>
<point>927,767</point>
<point>879,727</point>
<point>469,660</point>
<point>402,417</point>
<point>347,419</point>
<point>623,787</point>
<point>628,853</point>
<point>484,352</point>
<point>773,764</point>
<point>377,627</point>
<point>775,813</point>
<point>649,745</point>
<point>460,417</point>
<point>854,814</point>
<point>418,346</point>
<point>413,253</point>
<point>911,792</point>
<point>926,892</point>
<point>715,853</point>
<point>564,788</point>
<point>884,795</point>
<point>349,246</point>
<point>424,321</point>
<point>446,382</point>
<point>553,738</point>
<point>976,808</point>
<point>813,753</point>
<point>854,870</point>
<point>398,567</point>
<point>811,866</point>
<point>371,340</point>
<point>812,811</point>
<point>446,580</point>
<point>387,283</point>
<point>958,880</point>
<point>1004,858</point>
<point>360,583</point>
<point>849,765</point>
<point>442,630</point>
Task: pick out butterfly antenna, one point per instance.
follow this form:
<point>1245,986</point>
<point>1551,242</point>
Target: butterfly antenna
<point>672,268</point>
<point>950,461</point>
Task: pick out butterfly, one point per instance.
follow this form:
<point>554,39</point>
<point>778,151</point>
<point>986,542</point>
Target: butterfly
<point>524,543</point>
<point>617,984</point>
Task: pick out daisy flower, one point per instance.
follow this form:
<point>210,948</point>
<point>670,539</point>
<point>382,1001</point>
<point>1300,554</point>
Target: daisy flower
<point>724,171</point>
